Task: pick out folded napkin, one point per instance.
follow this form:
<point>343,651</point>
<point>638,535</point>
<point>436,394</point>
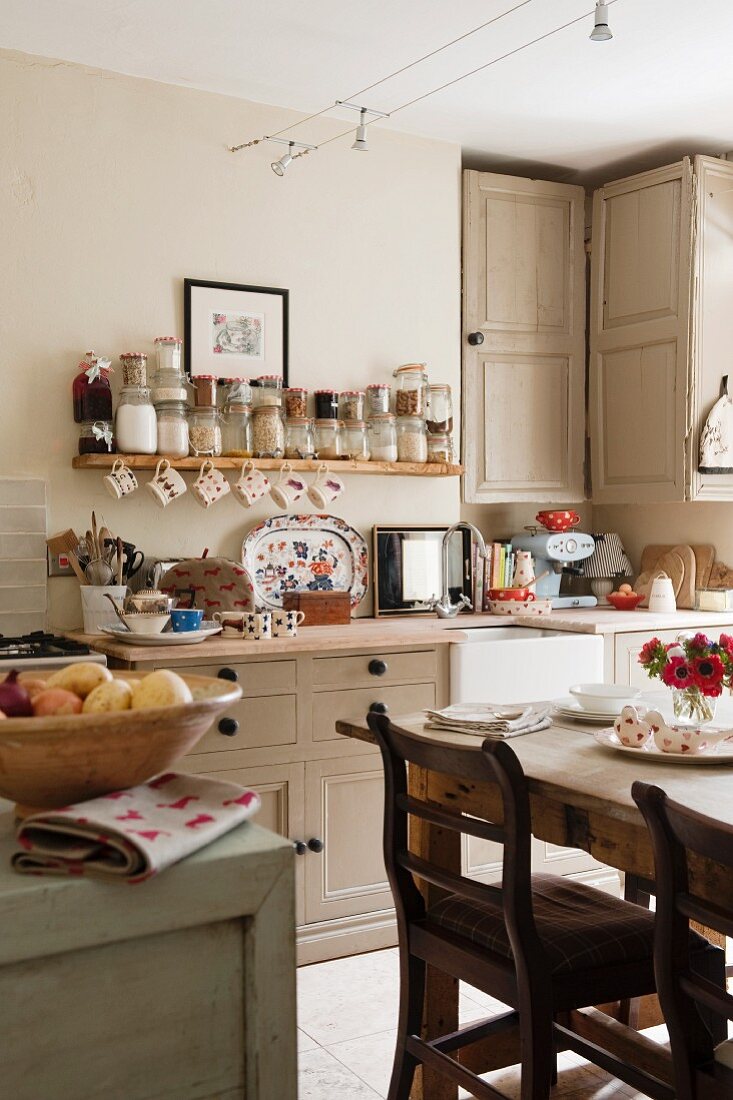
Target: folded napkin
<point>134,834</point>
<point>486,720</point>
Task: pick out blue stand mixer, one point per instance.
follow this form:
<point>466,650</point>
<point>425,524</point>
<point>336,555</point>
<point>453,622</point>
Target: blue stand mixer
<point>557,553</point>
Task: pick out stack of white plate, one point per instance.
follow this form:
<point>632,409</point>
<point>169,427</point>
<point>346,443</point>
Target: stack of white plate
<point>596,703</point>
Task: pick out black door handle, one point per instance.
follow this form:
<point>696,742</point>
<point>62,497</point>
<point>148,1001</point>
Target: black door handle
<point>378,708</point>
<point>229,727</point>
<point>475,338</point>
<point>228,674</point>
<point>377,667</point>
<point>300,847</point>
<point>315,844</point>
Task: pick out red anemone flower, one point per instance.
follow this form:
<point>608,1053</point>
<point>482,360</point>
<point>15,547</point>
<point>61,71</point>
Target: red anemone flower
<point>707,674</point>
<point>678,673</point>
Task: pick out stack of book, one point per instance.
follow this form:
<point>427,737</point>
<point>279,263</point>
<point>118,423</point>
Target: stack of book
<point>496,571</point>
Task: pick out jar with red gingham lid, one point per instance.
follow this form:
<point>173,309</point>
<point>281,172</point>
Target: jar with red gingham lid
<point>351,405</point>
<point>204,388</point>
<point>134,368</point>
<point>169,352</point>
<point>327,404</point>
<point>267,390</point>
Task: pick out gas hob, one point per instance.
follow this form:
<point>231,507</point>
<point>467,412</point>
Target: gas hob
<point>42,650</point>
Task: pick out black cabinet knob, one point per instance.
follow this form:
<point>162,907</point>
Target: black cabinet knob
<point>378,708</point>
<point>229,727</point>
<point>377,667</point>
<point>300,847</point>
<point>315,844</point>
<point>475,338</point>
<point>227,674</point>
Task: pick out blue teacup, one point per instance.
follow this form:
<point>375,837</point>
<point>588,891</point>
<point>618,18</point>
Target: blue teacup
<point>186,618</point>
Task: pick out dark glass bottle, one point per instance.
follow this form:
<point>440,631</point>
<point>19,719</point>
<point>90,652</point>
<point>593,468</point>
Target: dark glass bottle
<point>91,391</point>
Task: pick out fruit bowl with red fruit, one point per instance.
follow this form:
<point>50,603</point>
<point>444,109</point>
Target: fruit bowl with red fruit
<point>625,599</point>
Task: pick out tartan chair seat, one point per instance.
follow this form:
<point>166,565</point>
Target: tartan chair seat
<point>580,927</point>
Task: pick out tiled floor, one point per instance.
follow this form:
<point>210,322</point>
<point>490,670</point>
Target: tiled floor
<point>347,1015</point>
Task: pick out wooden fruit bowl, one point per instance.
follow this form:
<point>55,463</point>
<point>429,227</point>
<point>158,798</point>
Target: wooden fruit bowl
<point>47,763</point>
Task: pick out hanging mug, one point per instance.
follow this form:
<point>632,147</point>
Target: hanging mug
<point>251,486</point>
<point>326,488</point>
<point>166,485</point>
<point>210,485</point>
<point>290,487</point>
<point>120,481</point>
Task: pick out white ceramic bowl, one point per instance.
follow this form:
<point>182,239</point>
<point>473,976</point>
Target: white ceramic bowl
<point>146,622</point>
<point>604,698</point>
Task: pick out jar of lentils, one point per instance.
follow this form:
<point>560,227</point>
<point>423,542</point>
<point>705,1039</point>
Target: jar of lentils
<point>412,390</point>
<point>134,368</point>
<point>412,439</point>
<point>383,432</point>
<point>355,440</point>
<point>327,404</point>
<point>351,405</point>
<point>328,438</point>
<point>268,431</point>
<point>296,403</point>
<point>172,417</point>
<point>299,437</point>
<point>204,432</point>
<point>377,398</point>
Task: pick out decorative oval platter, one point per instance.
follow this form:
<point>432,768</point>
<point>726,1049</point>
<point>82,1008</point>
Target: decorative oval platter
<point>314,553</point>
<point>720,753</point>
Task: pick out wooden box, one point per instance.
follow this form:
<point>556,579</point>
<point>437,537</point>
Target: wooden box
<point>320,608</point>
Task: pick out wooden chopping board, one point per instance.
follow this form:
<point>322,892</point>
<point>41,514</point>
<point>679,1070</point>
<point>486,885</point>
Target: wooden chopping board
<point>680,563</point>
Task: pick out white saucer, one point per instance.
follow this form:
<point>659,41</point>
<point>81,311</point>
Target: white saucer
<point>571,708</point>
<point>187,637</point>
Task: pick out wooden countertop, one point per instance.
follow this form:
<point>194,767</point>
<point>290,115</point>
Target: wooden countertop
<point>402,631</point>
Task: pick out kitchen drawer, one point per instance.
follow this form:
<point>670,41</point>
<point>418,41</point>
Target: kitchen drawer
<point>374,668</point>
<point>262,722</point>
<point>332,706</point>
<point>254,677</point>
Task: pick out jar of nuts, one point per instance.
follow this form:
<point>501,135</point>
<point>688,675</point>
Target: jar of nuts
<point>328,438</point>
<point>134,368</point>
<point>355,440</point>
<point>268,431</point>
<point>412,439</point>
<point>204,432</point>
<point>411,390</point>
<point>296,402</point>
<point>351,405</point>
<point>299,437</point>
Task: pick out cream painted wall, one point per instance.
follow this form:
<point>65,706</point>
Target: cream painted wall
<point>113,189</point>
<point>693,522</point>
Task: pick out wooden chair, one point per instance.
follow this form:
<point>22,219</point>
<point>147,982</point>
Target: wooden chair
<point>702,1070</point>
<point>540,944</point>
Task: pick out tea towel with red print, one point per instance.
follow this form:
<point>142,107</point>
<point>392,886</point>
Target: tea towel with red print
<point>132,835</point>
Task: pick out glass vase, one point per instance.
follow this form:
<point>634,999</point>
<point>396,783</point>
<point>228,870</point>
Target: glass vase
<point>692,708</point>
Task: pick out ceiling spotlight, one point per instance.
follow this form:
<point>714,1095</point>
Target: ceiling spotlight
<point>279,166</point>
<point>361,134</point>
<point>601,31</point>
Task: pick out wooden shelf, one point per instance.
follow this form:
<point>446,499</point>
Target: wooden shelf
<point>338,465</point>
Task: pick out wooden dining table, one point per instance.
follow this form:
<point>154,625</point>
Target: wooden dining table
<point>580,794</point>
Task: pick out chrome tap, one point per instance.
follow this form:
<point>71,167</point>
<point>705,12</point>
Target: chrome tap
<point>443,607</point>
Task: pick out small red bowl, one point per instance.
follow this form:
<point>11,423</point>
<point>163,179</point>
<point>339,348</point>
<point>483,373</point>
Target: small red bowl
<point>505,594</point>
<point>625,601</point>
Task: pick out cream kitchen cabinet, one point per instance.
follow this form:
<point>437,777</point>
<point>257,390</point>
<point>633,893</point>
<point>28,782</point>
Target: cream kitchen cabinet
<point>524,340</point>
<point>628,647</point>
<point>661,328</point>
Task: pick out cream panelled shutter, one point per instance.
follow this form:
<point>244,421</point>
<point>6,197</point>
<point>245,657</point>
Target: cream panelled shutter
<point>523,386</point>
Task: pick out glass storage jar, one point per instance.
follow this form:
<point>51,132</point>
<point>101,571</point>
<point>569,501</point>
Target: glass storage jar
<point>172,417</point>
<point>91,393</point>
<point>299,437</point>
<point>134,368</point>
<point>412,439</point>
<point>440,408</point>
<point>136,428</point>
<point>268,431</point>
<point>377,398</point>
<point>204,432</point>
<point>327,404</point>
<point>96,437</point>
<point>351,405</point>
<point>234,391</point>
<point>412,390</point>
<point>268,390</point>
<point>296,403</point>
<point>383,432</point>
<point>168,350</point>
<point>328,438</point>
<point>236,430</point>
<point>355,440</point>
<point>204,390</point>
<point>440,447</point>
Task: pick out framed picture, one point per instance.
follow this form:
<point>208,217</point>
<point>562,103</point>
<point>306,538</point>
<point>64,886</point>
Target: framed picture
<point>235,331</point>
<point>408,569</point>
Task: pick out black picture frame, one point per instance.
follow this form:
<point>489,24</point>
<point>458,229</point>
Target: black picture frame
<point>386,568</point>
<point>189,286</point>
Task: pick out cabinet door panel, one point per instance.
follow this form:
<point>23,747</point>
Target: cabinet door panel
<point>628,647</point>
<point>344,804</point>
<point>640,328</point>
<point>330,707</point>
<point>523,386</point>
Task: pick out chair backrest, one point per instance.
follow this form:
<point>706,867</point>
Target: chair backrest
<point>495,764</point>
<point>679,835</point>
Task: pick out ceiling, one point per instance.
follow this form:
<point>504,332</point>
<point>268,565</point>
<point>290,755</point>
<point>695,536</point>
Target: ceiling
<point>568,107</point>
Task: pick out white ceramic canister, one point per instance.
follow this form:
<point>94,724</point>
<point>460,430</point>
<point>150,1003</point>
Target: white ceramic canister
<point>661,597</point>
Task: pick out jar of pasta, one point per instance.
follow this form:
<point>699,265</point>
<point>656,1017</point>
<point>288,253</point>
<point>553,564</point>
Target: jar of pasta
<point>440,447</point>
